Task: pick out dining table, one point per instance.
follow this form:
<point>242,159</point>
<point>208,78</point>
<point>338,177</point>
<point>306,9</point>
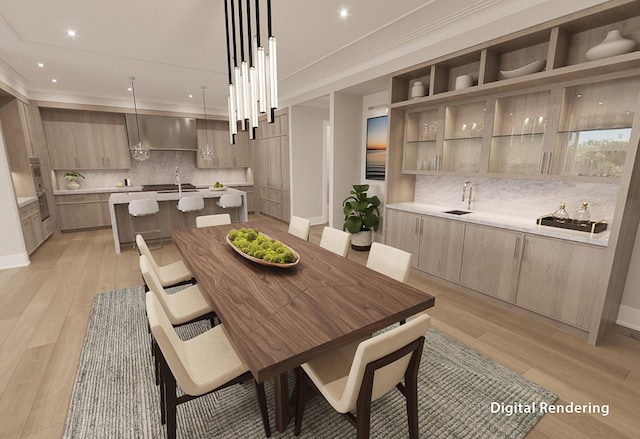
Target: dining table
<point>278,318</point>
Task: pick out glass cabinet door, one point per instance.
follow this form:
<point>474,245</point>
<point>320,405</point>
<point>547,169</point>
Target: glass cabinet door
<point>595,128</point>
<point>464,128</point>
<point>420,150</point>
<point>518,131</point>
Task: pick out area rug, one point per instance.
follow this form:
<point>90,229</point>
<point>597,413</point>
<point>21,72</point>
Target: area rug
<point>114,395</point>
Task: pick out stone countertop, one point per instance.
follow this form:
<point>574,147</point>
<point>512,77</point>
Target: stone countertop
<point>23,201</point>
<point>515,223</point>
<point>109,190</point>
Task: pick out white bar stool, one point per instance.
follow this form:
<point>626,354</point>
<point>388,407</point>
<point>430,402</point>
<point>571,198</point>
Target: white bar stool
<point>230,201</point>
<point>192,203</point>
<point>141,208</point>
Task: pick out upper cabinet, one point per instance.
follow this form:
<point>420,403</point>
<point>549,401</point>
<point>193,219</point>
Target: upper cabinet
<point>86,139</point>
<point>556,101</point>
<point>215,133</point>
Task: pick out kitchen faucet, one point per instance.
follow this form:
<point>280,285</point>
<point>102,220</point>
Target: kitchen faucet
<point>178,182</point>
<point>464,190</point>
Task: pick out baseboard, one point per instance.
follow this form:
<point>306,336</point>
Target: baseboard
<point>14,261</point>
<point>629,317</point>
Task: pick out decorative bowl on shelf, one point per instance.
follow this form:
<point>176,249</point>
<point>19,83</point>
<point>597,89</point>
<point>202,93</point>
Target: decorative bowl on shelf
<point>533,67</point>
<point>281,255</point>
<point>613,44</point>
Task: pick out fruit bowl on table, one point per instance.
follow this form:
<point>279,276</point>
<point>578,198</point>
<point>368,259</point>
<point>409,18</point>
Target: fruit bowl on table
<point>261,261</point>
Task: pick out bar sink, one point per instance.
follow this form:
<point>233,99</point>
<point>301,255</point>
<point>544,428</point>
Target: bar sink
<point>457,212</point>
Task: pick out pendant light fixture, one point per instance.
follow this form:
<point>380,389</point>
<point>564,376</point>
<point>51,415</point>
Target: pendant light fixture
<point>207,152</point>
<point>139,151</point>
<point>253,81</point>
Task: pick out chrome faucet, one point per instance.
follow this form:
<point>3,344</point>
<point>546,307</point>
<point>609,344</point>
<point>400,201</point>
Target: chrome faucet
<point>464,191</point>
<point>178,182</point>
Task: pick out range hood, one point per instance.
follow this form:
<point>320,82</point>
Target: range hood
<point>163,132</point>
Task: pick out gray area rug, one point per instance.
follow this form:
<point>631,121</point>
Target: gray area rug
<point>114,395</point>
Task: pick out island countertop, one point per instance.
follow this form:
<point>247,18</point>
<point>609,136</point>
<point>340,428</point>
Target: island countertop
<point>119,198</point>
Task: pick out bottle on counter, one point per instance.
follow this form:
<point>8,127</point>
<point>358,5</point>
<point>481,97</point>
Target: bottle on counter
<point>561,215</point>
<point>582,215</point>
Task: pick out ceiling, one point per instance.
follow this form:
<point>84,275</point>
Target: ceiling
<point>175,47</point>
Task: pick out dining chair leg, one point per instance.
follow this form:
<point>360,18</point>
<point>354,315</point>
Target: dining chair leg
<point>171,402</point>
<point>262,403</point>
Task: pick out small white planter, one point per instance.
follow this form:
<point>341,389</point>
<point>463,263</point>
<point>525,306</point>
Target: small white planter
<point>361,241</point>
<point>72,184</point>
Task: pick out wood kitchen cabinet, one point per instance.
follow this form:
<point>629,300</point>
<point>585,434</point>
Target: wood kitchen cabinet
<point>83,211</point>
<point>491,261</point>
<point>560,279</point>
<point>31,226</point>
<point>435,243</point>
<point>86,139</point>
<point>215,133</point>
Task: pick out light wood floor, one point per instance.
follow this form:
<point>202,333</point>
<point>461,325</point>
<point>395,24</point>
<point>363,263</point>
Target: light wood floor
<point>44,310</point>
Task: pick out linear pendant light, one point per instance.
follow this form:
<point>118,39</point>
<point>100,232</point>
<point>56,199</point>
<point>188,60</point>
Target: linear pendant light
<point>253,82</point>
<point>139,151</point>
<point>207,152</point>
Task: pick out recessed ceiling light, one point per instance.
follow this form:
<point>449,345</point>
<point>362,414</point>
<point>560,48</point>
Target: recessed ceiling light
<point>190,96</point>
<point>71,33</point>
<point>129,89</point>
<point>344,13</point>
<point>40,64</point>
<point>55,81</point>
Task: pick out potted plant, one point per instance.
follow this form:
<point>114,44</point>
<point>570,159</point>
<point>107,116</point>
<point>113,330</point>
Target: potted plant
<point>71,178</point>
<point>361,216</point>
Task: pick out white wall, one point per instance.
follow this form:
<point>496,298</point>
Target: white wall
<point>346,120</point>
<point>12,251</point>
<point>306,124</point>
<point>629,314</point>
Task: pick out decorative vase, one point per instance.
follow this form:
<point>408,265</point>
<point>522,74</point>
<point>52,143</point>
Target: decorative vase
<point>72,184</point>
<point>613,44</point>
<point>463,81</point>
<point>361,241</point>
<point>418,90</point>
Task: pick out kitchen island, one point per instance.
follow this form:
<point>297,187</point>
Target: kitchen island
<point>169,218</point>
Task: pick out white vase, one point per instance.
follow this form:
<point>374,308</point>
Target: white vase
<point>72,184</point>
<point>362,240</point>
<point>418,90</point>
<point>613,44</point>
<point>463,81</point>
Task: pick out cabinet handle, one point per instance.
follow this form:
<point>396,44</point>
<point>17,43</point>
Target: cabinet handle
<point>542,163</point>
<point>515,252</point>
<point>549,162</point>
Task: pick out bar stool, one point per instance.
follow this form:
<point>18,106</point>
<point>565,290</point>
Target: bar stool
<point>193,203</point>
<point>230,201</point>
<point>140,208</point>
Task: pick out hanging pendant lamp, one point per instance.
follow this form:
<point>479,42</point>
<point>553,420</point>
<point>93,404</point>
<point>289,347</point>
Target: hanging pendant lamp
<point>253,82</point>
<point>139,151</point>
<point>207,152</point>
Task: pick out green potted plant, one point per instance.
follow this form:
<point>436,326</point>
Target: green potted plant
<point>361,216</point>
<point>71,177</point>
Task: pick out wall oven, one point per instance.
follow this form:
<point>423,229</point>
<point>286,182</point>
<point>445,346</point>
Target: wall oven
<point>38,182</point>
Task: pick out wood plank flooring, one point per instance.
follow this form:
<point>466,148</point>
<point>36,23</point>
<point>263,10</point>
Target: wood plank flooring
<point>44,310</point>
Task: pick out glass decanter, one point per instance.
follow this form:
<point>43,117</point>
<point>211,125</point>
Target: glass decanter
<point>561,215</point>
<point>582,215</point>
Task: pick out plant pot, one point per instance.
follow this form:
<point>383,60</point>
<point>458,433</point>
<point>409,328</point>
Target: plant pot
<point>361,241</point>
<point>72,184</point>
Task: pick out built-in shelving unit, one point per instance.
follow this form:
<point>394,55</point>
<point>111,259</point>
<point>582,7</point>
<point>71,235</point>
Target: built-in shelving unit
<point>536,108</point>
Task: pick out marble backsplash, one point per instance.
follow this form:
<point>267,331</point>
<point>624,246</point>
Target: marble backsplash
<point>523,198</point>
<point>160,169</point>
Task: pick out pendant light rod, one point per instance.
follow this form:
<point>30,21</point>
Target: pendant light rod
<point>135,106</point>
<point>233,27</point>
<point>269,29</point>
<point>226,25</point>
<point>249,33</point>
<point>241,28</point>
<point>257,8</point>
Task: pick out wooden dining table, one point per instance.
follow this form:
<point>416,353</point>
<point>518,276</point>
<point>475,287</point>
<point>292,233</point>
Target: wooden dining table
<point>279,318</point>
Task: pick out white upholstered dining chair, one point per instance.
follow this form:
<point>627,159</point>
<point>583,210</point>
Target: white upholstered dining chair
<point>350,378</point>
<point>299,227</point>
<point>335,240</point>
<point>170,275</point>
<point>218,219</point>
<point>200,365</point>
<point>389,261</point>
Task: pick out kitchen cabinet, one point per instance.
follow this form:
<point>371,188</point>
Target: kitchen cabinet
<point>83,211</point>
<point>15,130</point>
<point>271,155</point>
<point>491,261</point>
<point>560,279</point>
<point>435,243</point>
<point>86,139</point>
<point>31,226</point>
<point>216,134</point>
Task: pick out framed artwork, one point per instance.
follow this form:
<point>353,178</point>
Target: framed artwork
<point>376,147</point>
